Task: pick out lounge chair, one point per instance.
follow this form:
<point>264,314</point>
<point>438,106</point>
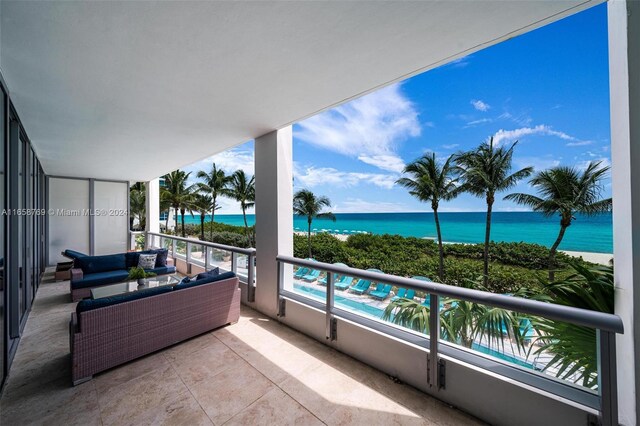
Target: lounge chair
<point>382,294</point>
<point>343,283</point>
<point>360,287</point>
<point>400,294</point>
<point>301,272</point>
<point>312,276</point>
<point>323,280</point>
<point>427,302</point>
<point>411,293</point>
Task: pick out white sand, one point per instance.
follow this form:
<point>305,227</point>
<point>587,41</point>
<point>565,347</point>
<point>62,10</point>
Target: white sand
<point>600,258</point>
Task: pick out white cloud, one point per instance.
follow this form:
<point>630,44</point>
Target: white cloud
<point>541,129</point>
<point>368,128</point>
<point>229,161</point>
<point>451,146</point>
<point>390,163</point>
<point>604,162</point>
<point>480,121</point>
<point>315,176</point>
<point>357,205</point>
<point>480,105</point>
<point>580,143</point>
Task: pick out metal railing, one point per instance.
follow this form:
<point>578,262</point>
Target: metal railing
<point>152,237</point>
<point>606,326</point>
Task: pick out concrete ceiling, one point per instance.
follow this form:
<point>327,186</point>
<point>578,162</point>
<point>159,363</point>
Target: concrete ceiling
<point>132,90</point>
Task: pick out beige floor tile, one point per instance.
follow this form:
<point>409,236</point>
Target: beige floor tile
<point>229,392</point>
<point>124,403</point>
<point>186,348</point>
<point>129,371</point>
<point>274,408</point>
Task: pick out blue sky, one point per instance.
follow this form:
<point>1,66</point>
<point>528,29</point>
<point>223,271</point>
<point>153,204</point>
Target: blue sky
<point>548,89</point>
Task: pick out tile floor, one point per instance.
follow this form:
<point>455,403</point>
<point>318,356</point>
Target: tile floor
<point>254,372</point>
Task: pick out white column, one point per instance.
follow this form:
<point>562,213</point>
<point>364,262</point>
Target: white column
<point>153,205</point>
<point>274,212</point>
<point>624,71</point>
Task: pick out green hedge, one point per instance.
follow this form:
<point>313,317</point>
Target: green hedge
<point>513,265</point>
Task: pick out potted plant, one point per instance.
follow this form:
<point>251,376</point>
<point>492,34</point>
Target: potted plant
<point>139,274</point>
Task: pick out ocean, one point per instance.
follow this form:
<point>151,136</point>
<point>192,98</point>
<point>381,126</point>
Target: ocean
<point>589,234</point>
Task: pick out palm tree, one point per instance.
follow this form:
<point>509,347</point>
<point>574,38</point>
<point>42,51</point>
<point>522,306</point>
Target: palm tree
<point>243,190</point>
<point>178,194</point>
<point>215,183</point>
<point>461,322</point>
<point>137,205</point>
<point>566,191</point>
<point>574,347</point>
<point>484,173</point>
<point>203,204</point>
<point>432,182</point>
<point>305,203</point>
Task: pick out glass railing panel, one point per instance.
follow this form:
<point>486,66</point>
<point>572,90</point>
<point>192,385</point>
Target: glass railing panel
<point>181,249</point>
<point>219,258</point>
<point>242,265</point>
<point>140,242</point>
<point>308,282</point>
<point>197,254</point>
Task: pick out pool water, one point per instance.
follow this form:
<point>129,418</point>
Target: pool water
<point>372,311</point>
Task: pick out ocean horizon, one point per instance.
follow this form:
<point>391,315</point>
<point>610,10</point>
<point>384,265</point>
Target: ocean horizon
<point>587,233</point>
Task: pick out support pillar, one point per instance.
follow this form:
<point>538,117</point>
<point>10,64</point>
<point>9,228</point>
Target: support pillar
<point>624,75</point>
<point>152,197</point>
<point>274,213</point>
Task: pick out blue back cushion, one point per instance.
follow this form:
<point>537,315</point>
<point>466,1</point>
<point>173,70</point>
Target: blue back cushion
<point>93,264</point>
<point>73,254</point>
<point>91,304</point>
<point>210,279</point>
<point>133,256</point>
<point>212,273</point>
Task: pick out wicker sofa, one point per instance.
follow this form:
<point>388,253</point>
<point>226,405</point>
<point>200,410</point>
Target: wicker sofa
<point>95,271</point>
<point>104,333</point>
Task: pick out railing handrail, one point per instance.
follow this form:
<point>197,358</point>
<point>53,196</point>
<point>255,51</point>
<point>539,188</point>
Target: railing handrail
<point>584,317</point>
<point>247,251</point>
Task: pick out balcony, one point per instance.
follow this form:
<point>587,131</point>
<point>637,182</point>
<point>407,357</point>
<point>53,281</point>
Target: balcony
<point>256,371</point>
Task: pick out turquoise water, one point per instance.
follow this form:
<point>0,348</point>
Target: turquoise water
<point>591,234</point>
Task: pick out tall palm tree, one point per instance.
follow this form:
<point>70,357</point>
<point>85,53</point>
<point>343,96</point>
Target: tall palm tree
<point>137,205</point>
<point>203,204</point>
<point>215,183</point>
<point>243,189</point>
<point>566,191</point>
<point>306,203</point>
<point>431,181</point>
<point>484,173</point>
<point>178,194</point>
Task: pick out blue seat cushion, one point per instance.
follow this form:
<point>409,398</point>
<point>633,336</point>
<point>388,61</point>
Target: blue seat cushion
<point>100,278</point>
<point>93,264</point>
<point>133,256</point>
<point>73,254</point>
<point>206,280</point>
<point>162,270</point>
<point>91,304</point>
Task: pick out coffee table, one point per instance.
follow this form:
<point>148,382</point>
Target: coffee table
<point>132,286</point>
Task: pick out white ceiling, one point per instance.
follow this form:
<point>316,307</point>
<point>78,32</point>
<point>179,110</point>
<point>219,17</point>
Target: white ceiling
<point>132,90</point>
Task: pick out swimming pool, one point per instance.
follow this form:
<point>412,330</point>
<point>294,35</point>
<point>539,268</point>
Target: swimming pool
<point>372,311</point>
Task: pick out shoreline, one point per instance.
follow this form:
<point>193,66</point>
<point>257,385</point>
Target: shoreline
<point>593,257</point>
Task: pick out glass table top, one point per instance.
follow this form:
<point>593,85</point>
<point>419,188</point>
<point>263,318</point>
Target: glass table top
<point>132,286</point>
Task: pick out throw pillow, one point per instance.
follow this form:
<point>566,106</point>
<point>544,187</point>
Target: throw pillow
<point>147,261</point>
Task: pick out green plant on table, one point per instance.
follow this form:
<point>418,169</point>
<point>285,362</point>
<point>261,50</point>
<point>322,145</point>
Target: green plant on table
<point>138,272</point>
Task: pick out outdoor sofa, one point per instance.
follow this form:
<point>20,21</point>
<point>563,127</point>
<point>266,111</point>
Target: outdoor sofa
<point>110,331</point>
<point>94,271</point>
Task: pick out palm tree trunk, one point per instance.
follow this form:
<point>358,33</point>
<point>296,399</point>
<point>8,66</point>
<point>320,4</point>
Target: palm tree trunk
<point>309,237</point>
<point>246,225</point>
<point>440,249</point>
<point>175,211</point>
<point>182,213</point>
<point>487,238</point>
<point>202,215</point>
<point>552,253</point>
<point>213,212</point>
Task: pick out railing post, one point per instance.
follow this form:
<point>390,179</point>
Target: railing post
<point>607,379</point>
<point>434,337</point>
<point>251,290</point>
<point>234,262</point>
<point>207,265</point>
<point>329,306</point>
<point>173,248</point>
<point>281,305</point>
<point>132,241</point>
<point>146,240</point>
